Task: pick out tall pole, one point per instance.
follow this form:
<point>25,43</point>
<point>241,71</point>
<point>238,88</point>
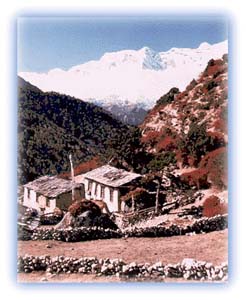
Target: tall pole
<point>159,181</point>
<point>133,203</point>
<point>72,176</point>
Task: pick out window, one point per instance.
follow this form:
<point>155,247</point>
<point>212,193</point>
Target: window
<point>111,195</point>
<point>47,202</point>
<point>28,193</point>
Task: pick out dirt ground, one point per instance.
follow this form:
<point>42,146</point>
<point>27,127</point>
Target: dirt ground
<point>211,247</point>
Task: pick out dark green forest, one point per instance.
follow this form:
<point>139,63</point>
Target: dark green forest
<point>51,126</point>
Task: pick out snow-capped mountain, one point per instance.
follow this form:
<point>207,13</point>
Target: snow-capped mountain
<point>129,77</point>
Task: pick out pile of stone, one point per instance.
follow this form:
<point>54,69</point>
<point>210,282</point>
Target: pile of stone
<point>24,233</point>
<point>28,218</point>
<point>184,197</point>
<point>50,219</point>
<point>188,269</point>
<point>195,211</point>
<point>202,225</point>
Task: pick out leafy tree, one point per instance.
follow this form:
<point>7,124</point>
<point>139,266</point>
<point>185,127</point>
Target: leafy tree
<point>156,166</point>
<point>168,97</point>
<point>197,143</point>
<point>162,160</point>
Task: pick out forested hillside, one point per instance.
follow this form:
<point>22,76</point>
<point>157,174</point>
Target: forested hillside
<point>51,126</point>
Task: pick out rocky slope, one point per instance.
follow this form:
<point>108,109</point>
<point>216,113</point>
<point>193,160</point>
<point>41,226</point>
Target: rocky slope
<point>193,123</point>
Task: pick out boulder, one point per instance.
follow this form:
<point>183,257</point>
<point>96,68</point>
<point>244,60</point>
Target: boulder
<point>67,221</point>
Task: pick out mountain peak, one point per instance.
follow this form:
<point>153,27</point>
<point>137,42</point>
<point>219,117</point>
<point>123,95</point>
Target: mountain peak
<point>151,59</point>
<point>147,49</point>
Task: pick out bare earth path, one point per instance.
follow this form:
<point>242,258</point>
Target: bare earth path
<point>211,247</point>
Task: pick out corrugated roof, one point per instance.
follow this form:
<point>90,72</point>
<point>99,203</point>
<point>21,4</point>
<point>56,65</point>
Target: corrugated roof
<point>111,176</point>
<point>51,186</point>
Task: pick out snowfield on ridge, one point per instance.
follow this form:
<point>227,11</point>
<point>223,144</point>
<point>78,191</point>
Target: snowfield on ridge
<point>129,77</point>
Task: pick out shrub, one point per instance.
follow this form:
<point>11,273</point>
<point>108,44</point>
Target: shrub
<point>217,139</point>
<point>79,207</point>
<point>211,84</point>
<point>169,97</point>
<point>151,137</point>
<point>225,58</point>
<point>166,144</point>
<point>220,125</point>
<point>191,85</point>
<point>181,157</point>
<point>196,142</point>
<point>214,67</point>
<point>83,167</point>
<point>162,160</point>
<point>215,164</point>
<point>213,206</point>
<point>196,178</point>
<point>138,193</point>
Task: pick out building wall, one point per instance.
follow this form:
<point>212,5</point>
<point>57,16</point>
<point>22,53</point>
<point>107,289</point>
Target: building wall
<point>64,201</point>
<point>30,199</point>
<point>97,191</point>
<point>38,202</point>
<point>47,205</point>
<point>51,204</point>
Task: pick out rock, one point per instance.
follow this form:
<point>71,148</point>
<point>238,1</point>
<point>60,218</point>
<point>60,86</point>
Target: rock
<point>104,268</point>
<point>125,268</point>
<point>68,220</point>
<point>43,279</point>
<point>208,265</point>
<point>132,265</point>
<point>225,278</point>
<point>186,275</point>
<point>188,263</point>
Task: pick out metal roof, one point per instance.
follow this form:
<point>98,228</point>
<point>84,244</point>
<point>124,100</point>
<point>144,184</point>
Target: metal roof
<point>111,176</point>
<point>51,186</point>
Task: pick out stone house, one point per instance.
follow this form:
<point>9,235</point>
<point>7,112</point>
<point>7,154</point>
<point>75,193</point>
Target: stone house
<point>108,184</point>
<point>48,192</point>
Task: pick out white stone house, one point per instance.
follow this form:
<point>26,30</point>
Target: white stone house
<point>48,192</point>
<point>107,184</point>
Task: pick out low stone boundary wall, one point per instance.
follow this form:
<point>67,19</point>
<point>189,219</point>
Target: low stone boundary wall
<point>75,234</point>
<point>50,219</point>
<point>202,225</point>
<point>188,269</point>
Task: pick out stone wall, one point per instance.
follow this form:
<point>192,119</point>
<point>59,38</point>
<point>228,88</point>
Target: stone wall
<point>188,269</point>
<point>202,225</point>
